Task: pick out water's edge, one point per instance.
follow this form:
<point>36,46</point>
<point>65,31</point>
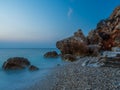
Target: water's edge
<point>18,79</point>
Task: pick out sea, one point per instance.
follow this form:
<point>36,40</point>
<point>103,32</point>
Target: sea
<point>18,79</point>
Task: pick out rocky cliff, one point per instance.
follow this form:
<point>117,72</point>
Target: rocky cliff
<point>107,32</point>
<point>104,37</point>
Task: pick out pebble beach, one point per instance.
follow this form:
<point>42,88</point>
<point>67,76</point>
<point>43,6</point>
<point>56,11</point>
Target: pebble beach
<point>74,76</point>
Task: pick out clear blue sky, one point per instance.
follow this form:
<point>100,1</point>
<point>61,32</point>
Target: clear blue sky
<point>40,23</point>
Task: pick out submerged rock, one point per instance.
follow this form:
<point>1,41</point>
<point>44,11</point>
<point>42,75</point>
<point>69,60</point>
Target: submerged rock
<point>52,54</point>
<point>16,63</point>
<point>33,68</point>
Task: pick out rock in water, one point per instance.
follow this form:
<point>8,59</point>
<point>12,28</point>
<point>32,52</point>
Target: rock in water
<point>33,68</point>
<point>52,54</point>
<point>16,63</point>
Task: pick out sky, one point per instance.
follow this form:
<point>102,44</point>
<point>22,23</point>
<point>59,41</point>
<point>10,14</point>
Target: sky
<point>41,23</point>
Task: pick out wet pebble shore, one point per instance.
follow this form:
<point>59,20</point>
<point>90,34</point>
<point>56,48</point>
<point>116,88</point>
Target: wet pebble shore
<point>74,76</point>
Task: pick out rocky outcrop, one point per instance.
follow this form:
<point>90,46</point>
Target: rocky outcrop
<point>17,63</point>
<point>107,32</point>
<point>75,45</point>
<point>105,36</point>
<point>115,13</point>
<point>52,54</point>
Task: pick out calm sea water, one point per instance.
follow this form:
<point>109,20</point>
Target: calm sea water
<point>13,80</point>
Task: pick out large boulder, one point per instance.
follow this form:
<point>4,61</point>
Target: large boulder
<point>16,63</point>
<point>51,54</point>
<point>75,45</point>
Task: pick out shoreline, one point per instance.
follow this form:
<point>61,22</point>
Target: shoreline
<point>73,76</point>
<point>48,79</point>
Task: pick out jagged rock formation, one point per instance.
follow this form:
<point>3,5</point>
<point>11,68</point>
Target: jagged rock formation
<point>105,36</point>
<point>75,45</point>
<point>107,32</point>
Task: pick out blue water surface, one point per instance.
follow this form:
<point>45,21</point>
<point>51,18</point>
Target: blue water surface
<point>13,80</point>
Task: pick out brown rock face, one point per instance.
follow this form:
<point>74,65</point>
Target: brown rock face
<point>107,32</point>
<point>105,36</point>
<point>75,45</point>
<point>115,13</point>
<point>15,63</point>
